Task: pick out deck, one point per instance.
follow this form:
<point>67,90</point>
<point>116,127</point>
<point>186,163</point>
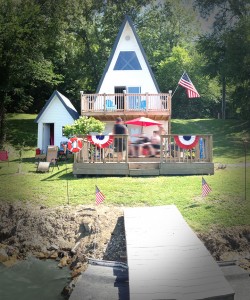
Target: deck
<point>171,160</point>
<point>107,107</point>
<point>166,259</point>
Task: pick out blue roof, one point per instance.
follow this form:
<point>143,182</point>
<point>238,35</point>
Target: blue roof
<point>66,103</point>
<point>127,19</point>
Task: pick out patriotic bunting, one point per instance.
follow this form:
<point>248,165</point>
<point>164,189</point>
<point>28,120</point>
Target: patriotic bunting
<point>101,141</point>
<point>186,141</point>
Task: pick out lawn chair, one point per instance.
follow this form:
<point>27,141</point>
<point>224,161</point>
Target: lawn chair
<point>52,156</point>
<point>51,160</point>
<point>110,105</point>
<point>143,104</point>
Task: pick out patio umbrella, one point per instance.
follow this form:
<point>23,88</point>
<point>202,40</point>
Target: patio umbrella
<point>142,121</point>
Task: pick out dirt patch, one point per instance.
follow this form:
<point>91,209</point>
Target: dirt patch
<point>71,235</point>
<point>229,244</point>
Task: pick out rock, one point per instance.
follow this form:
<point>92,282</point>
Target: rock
<point>87,227</point>
<point>53,255</point>
<point>63,262</point>
<point>3,255</point>
<point>53,247</point>
<point>40,255</point>
<point>10,262</point>
<point>73,250</point>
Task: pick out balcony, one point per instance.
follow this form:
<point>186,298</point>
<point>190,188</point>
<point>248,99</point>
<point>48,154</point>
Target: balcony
<point>107,107</point>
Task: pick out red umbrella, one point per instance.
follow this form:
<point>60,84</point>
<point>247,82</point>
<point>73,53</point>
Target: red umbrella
<point>142,121</point>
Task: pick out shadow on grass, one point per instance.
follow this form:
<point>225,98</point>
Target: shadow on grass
<point>22,131</point>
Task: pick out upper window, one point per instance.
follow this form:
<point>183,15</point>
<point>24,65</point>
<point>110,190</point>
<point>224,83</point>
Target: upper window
<point>127,60</point>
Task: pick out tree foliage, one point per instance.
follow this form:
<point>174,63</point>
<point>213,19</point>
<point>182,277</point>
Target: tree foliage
<point>83,126</point>
<point>64,45</point>
<point>226,50</point>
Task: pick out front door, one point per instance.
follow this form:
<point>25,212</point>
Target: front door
<point>119,99</point>
<point>134,101</point>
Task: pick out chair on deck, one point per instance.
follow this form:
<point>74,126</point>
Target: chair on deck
<point>110,105</point>
<point>51,160</point>
<point>143,104</point>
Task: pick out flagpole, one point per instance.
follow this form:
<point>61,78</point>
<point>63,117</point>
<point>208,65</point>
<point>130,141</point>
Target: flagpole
<point>67,184</point>
<point>175,90</point>
<point>177,84</point>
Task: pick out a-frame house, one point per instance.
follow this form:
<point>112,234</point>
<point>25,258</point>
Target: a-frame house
<point>127,87</point>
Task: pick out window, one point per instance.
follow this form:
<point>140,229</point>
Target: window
<point>127,60</point>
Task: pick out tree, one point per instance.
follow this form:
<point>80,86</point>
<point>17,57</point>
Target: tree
<point>83,126</point>
<point>23,65</point>
<point>169,73</point>
<point>226,59</point>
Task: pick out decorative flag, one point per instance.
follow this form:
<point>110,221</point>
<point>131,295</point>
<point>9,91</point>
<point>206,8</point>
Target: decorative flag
<point>99,197</point>
<point>188,85</point>
<point>101,141</point>
<point>186,141</point>
<point>205,188</point>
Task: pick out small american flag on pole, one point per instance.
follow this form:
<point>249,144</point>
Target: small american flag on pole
<point>99,197</point>
<point>205,188</point>
<point>188,85</point>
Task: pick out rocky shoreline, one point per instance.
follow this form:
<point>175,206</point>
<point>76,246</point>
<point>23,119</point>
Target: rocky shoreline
<point>72,235</point>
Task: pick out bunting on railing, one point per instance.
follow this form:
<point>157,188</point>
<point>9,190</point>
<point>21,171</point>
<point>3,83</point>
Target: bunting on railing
<point>186,141</point>
<point>101,141</point>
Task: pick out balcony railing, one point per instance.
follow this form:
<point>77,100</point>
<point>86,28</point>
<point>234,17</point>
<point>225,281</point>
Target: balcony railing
<point>169,151</point>
<point>105,103</point>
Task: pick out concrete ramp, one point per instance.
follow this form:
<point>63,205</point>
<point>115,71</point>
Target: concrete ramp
<point>102,281</point>
<point>166,259</point>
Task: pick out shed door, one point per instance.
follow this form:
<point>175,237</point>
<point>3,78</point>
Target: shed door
<point>48,135</point>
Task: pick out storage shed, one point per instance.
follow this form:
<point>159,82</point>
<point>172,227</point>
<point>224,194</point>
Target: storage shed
<point>56,113</point>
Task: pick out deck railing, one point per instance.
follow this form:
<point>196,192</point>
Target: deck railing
<point>169,152</point>
<point>125,102</point>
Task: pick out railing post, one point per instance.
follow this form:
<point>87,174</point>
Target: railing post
<point>210,148</point>
<point>82,101</point>
<point>125,100</point>
<point>127,149</point>
<point>147,100</point>
<point>104,102</point>
<point>169,107</point>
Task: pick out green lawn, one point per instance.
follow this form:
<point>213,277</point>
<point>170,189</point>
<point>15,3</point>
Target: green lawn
<point>224,206</point>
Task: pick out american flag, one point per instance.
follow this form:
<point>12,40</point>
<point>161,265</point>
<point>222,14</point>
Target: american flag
<point>205,188</point>
<point>99,197</point>
<point>188,85</point>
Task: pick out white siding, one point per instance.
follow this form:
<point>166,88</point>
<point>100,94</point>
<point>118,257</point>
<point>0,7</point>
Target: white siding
<point>40,136</point>
<point>57,114</point>
<point>127,78</point>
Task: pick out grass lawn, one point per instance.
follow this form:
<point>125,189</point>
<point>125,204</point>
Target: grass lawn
<point>224,206</point>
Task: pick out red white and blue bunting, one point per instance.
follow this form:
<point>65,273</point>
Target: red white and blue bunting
<point>101,141</point>
<point>186,141</point>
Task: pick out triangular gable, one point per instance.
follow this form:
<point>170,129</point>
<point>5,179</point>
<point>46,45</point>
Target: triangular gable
<point>128,59</point>
<point>66,103</point>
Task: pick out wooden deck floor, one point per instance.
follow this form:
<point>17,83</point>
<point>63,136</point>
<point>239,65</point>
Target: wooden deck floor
<point>166,259</point>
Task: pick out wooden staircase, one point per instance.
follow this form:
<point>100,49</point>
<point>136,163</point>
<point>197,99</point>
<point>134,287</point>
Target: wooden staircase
<point>144,168</point>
